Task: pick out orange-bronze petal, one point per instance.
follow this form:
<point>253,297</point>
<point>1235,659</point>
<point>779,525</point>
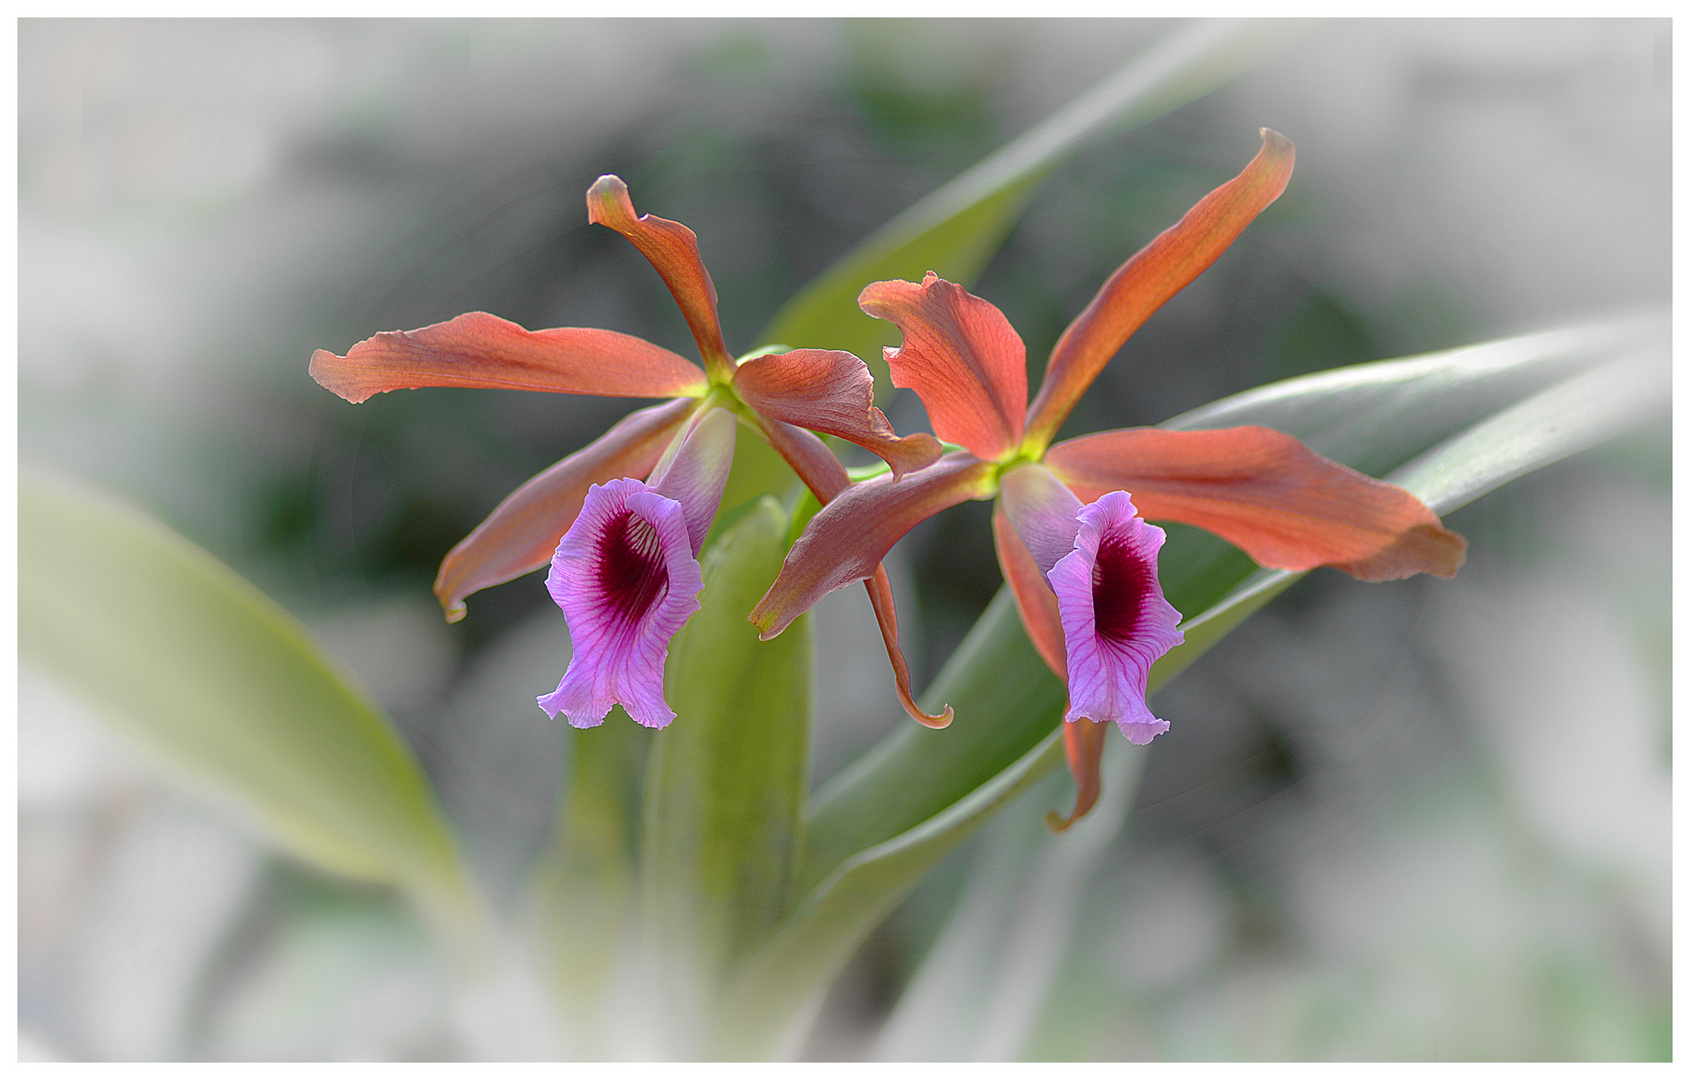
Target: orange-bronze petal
<point>485,351</point>
<point>879,587</point>
<point>849,537</point>
<point>1034,598</point>
<point>1082,740</point>
<point>672,249</point>
<point>960,356</point>
<point>1150,278</point>
<point>831,392</point>
<point>1263,491</point>
<point>826,478</point>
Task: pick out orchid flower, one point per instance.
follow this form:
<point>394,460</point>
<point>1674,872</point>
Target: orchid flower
<point>784,396</point>
<point>1071,540</point>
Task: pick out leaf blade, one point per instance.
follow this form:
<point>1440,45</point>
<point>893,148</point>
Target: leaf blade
<point>727,782</point>
<point>212,678</point>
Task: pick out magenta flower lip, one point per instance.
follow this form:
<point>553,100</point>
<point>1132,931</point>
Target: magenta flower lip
<point>626,580</point>
<point>1115,620</point>
<point>1099,561</point>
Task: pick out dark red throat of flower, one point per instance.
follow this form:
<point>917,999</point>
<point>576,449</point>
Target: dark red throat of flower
<point>631,569</point>
<point>1118,583</point>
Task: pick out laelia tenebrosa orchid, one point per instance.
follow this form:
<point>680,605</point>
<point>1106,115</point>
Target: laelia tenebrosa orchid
<point>784,396</point>
<point>1068,524</point>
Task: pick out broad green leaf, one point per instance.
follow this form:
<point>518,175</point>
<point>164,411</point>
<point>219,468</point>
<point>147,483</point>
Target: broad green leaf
<point>979,989</point>
<point>727,782</point>
<point>880,825</point>
<point>1375,417</point>
<point>956,229</point>
<point>223,687</point>
<point>781,987</point>
<point>1554,423</point>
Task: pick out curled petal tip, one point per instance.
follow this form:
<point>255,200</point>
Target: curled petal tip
<point>1450,549</point>
<point>672,250</point>
<point>450,605</point>
<point>1425,547</point>
<point>1082,743</point>
<point>905,454</point>
<point>607,188</point>
<point>886,614</point>
<point>830,392</point>
<point>942,720</point>
<point>326,370</point>
<point>1057,823</point>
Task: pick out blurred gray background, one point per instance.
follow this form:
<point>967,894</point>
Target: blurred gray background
<point>1420,819</point>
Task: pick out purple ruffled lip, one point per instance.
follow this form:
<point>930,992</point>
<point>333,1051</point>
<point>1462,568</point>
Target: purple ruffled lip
<point>626,580</point>
<point>1115,620</point>
<point>627,577</point>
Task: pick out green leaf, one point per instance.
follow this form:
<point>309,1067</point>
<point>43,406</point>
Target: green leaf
<point>957,229</point>
<point>1469,419</point>
<point>1376,417</point>
<point>780,988</point>
<point>1557,422</point>
<point>727,782</point>
<point>223,687</point>
<point>980,987</point>
<point>916,772</point>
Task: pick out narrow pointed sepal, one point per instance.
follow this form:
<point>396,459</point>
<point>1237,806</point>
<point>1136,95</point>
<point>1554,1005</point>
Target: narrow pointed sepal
<point>960,356</point>
<point>807,456</point>
<point>672,250</point>
<point>1150,279</point>
<point>522,532</point>
<point>849,537</point>
<point>1265,492</point>
<point>885,613</point>
<point>1082,743</point>
<point>831,392</point>
<point>484,351</point>
<point>826,478</point>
